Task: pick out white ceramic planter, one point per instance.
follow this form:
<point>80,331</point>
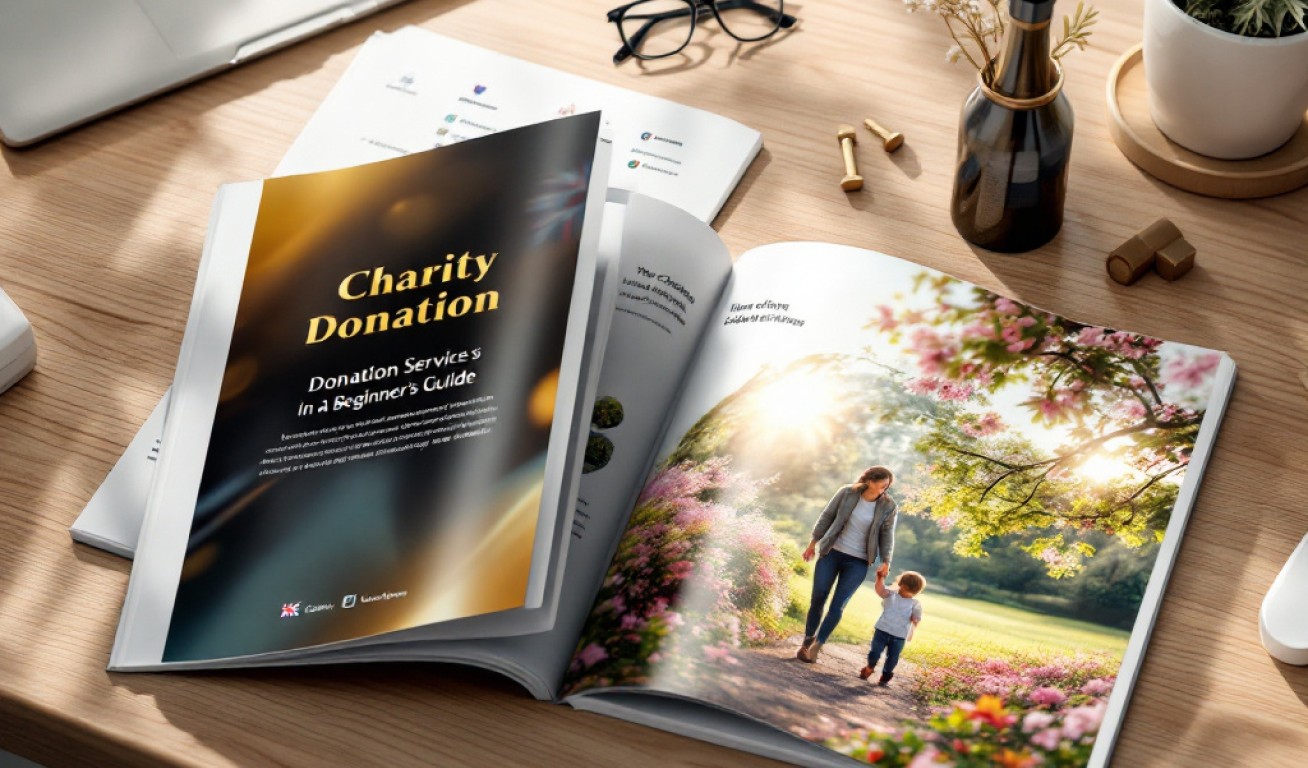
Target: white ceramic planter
<point>1220,94</point>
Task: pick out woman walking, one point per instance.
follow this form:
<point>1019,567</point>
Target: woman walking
<point>855,530</point>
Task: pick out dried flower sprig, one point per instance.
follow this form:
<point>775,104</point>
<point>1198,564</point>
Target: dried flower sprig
<point>1076,31</point>
<point>977,30</point>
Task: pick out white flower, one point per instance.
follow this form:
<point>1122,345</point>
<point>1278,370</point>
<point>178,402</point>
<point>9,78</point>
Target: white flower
<point>953,54</point>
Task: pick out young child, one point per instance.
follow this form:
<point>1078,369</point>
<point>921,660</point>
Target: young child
<point>900,614</point>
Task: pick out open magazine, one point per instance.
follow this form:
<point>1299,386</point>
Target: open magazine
<point>1043,470</point>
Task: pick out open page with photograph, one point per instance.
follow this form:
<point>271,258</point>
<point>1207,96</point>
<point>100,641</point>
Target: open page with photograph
<point>899,516</point>
<point>370,430</point>
<point>671,270</point>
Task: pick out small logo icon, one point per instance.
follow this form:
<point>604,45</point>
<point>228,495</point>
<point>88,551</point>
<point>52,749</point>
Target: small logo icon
<point>442,131</point>
<point>451,118</point>
<point>479,89</point>
<point>348,601</point>
<point>290,609</point>
<point>403,83</point>
<point>633,164</point>
<point>646,136</point>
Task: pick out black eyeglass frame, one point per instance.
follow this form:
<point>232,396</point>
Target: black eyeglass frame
<point>630,45</point>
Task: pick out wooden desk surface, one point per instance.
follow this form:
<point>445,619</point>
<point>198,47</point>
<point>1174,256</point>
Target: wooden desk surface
<point>100,234</point>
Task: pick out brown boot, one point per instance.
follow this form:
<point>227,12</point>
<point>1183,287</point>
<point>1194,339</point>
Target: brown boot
<point>813,650</point>
<point>885,679</point>
<point>866,672</point>
<point>802,653</point>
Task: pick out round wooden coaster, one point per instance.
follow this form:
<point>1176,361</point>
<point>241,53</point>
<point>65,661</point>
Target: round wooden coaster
<point>1143,144</point>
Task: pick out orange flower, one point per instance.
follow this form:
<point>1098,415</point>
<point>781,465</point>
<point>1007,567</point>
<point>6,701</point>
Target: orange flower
<point>990,709</point>
<point>1010,759</point>
<point>874,753</point>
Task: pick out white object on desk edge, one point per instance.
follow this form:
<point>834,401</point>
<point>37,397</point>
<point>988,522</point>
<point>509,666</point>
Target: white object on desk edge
<point>17,344</point>
<point>1283,620</point>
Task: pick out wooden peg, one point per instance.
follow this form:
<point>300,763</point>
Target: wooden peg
<point>1174,259</point>
<point>846,135</point>
<point>890,141</point>
<point>1131,260</point>
<point>1159,234</point>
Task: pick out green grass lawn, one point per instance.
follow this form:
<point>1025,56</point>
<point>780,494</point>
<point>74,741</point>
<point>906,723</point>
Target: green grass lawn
<point>958,625</point>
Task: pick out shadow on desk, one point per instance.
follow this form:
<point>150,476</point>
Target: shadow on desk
<point>1296,678</point>
<point>366,714</point>
<point>742,190</point>
<point>397,714</point>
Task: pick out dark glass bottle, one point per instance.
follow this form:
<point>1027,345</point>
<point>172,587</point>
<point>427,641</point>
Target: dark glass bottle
<point>1014,142</point>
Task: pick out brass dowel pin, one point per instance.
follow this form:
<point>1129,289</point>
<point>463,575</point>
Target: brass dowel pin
<point>890,141</point>
<point>846,135</point>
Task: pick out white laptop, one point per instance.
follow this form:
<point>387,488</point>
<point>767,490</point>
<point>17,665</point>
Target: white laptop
<point>63,62</point>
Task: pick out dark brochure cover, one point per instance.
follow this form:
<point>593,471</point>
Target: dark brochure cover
<point>378,448</point>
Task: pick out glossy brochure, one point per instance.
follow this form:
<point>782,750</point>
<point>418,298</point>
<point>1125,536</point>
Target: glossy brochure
<point>383,368</point>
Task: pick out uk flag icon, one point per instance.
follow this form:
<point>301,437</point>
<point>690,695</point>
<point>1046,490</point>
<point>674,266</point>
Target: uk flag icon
<point>290,609</point>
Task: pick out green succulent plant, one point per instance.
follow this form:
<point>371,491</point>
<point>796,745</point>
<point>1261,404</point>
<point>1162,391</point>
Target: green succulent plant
<point>1251,18</point>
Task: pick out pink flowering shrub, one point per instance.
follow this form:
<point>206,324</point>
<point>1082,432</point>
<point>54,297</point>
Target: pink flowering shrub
<point>971,734</point>
<point>1015,712</point>
<point>1030,682</point>
<point>697,575</point>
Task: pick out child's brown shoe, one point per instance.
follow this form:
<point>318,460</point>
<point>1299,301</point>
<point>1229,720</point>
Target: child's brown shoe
<point>865,672</point>
<point>885,679</point>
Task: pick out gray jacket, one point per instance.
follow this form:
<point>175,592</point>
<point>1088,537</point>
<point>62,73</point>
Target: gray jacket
<point>880,535</point>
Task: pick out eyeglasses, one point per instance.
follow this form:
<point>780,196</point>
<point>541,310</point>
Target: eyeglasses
<point>653,29</point>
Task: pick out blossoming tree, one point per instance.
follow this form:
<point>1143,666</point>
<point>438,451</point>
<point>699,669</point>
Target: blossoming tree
<point>1121,412</point>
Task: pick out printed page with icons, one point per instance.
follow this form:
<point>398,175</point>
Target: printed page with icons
<point>413,90</point>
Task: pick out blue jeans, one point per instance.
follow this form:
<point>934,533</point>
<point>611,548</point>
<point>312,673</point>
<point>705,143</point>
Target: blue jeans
<point>883,640</point>
<point>845,573</point>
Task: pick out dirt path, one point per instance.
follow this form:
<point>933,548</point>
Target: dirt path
<point>772,685</point>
